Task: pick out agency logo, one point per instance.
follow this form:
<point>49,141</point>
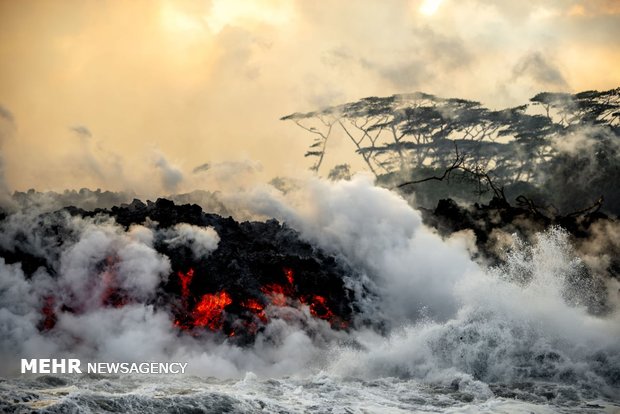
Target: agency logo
<point>75,366</point>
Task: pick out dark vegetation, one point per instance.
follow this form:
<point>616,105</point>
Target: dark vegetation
<point>560,152</point>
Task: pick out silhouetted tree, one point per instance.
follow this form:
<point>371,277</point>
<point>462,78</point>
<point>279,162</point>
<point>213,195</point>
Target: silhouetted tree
<point>414,136</point>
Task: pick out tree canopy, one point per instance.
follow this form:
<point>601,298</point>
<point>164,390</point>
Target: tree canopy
<point>404,134</point>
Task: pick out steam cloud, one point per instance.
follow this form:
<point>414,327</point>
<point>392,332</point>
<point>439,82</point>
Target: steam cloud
<point>7,126</point>
<point>201,241</point>
<point>171,176</point>
<point>539,69</point>
<point>447,316</point>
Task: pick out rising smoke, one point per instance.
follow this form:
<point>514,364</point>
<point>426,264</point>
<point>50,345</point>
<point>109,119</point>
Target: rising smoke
<point>443,315</point>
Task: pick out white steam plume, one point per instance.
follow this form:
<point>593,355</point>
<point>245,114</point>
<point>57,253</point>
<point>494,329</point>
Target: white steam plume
<point>449,317</point>
<point>201,241</point>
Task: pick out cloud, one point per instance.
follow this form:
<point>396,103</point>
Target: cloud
<point>7,126</point>
<point>91,159</point>
<point>414,61</point>
<point>201,168</point>
<point>170,175</point>
<point>175,83</point>
<point>201,241</point>
<point>7,129</point>
<point>82,131</point>
<point>594,8</point>
<point>217,175</point>
<point>539,69</point>
<point>224,169</point>
<point>6,115</point>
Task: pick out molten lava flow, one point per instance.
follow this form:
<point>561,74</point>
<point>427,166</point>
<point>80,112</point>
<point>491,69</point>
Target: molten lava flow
<point>280,295</point>
<point>288,272</point>
<point>49,315</point>
<point>185,279</point>
<point>277,294</point>
<point>256,308</point>
<point>208,312</point>
<point>319,308</point>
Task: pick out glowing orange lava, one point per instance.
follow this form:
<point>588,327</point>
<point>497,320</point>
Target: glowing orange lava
<point>288,272</point>
<point>277,294</point>
<point>185,279</point>
<point>319,308</point>
<point>208,312</point>
<point>256,308</point>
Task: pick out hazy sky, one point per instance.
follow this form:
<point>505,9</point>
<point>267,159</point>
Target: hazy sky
<point>136,94</point>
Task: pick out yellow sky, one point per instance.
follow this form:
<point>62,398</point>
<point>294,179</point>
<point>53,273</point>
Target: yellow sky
<point>124,94</point>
